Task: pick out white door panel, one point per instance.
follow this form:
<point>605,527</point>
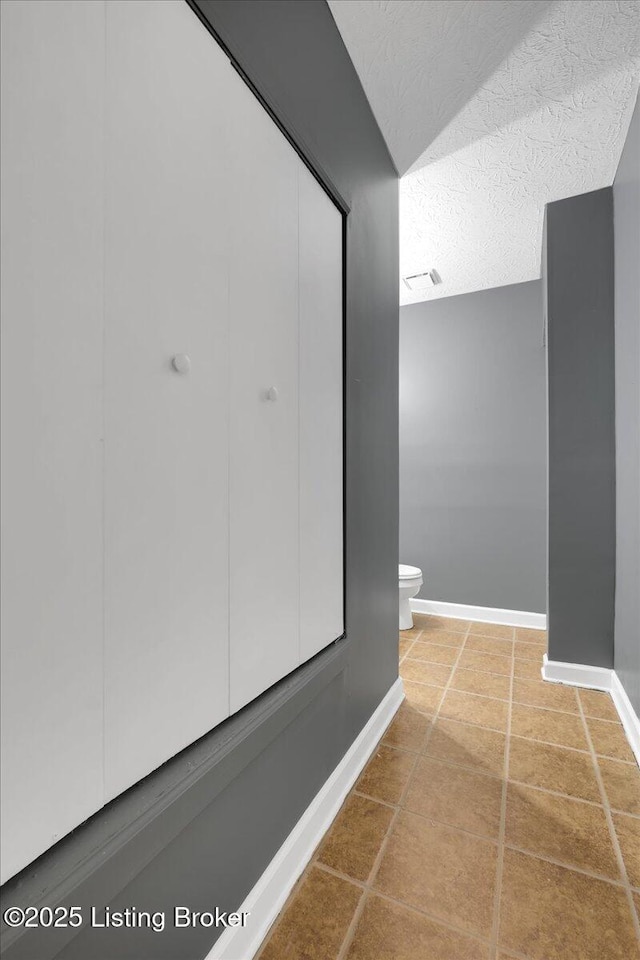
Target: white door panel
<point>166,507</point>
<point>321,425</point>
<point>52,252</point>
<point>172,539</point>
<point>263,468</point>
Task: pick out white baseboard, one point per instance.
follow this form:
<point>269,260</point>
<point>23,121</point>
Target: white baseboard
<point>268,896</point>
<point>598,678</point>
<point>628,717</point>
<point>577,674</point>
<point>510,618</point>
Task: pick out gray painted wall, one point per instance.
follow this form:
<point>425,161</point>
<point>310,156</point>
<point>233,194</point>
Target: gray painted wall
<point>626,222</point>
<point>204,826</point>
<point>578,263</point>
<point>473,447</point>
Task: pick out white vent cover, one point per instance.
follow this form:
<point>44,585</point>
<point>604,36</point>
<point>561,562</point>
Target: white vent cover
<point>422,281</point>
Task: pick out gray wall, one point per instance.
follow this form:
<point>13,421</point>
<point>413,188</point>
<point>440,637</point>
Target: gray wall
<point>473,448</point>
<point>626,221</point>
<point>200,830</point>
<point>578,264</point>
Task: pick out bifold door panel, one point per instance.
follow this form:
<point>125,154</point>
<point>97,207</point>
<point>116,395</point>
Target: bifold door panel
<point>166,431</point>
<point>321,418</point>
<point>263,367</point>
<point>52,251</point>
<point>173,430</point>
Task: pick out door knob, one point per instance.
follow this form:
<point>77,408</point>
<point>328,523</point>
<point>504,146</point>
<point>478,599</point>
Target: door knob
<point>181,363</point>
<point>271,394</point>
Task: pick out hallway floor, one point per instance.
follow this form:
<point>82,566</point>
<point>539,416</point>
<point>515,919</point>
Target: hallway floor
<point>499,817</point>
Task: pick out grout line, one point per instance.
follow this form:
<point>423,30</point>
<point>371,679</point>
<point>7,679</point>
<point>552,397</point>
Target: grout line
<point>548,743</point>
<point>612,830</point>
<point>448,646</point>
<point>405,655</point>
<point>412,641</point>
<point>488,696</point>
<point>566,866</point>
<point>483,673</point>
<point>368,796</point>
<point>315,863</point>
<point>481,771</point>
<point>351,929</point>
<point>445,690</point>
<point>568,796</point>
<point>495,931</point>
<point>536,855</point>
<point>494,841</point>
<point>342,876</point>
<point>346,943</point>
<point>441,921</point>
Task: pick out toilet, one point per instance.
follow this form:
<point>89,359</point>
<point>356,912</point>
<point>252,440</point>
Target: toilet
<point>409,583</point>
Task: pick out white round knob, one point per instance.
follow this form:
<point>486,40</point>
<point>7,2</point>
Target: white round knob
<point>181,363</point>
<point>272,394</point>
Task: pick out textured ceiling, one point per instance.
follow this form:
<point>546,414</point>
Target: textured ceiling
<point>492,108</point>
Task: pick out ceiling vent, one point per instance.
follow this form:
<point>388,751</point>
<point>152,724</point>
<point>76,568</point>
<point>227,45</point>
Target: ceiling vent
<point>422,281</point>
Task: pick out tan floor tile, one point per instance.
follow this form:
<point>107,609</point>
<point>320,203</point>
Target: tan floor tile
<point>434,652</point>
<point>622,784</point>
<point>597,703</point>
<point>571,831</point>
<point>386,774</point>
<point>528,635</point>
<point>552,913</point>
<point>407,729</point>
<point>486,684</point>
<point>316,920</point>
<point>636,900</point>
<point>486,662</point>
<point>469,708</point>
<point>445,638</point>
<point>411,634</point>
<point>492,630</point>
<point>404,647</point>
<point>457,796</point>
<point>446,873</point>
<point>527,669</point>
<point>467,746</point>
<point>389,931</point>
<point>353,841</point>
<point>609,740</point>
<point>628,831</point>
<point>553,768</point>
<point>422,671</point>
<point>528,651</point>
<point>502,648</point>
<point>429,623</point>
<point>565,729</point>
<point>552,696</point>
<point>423,697</point>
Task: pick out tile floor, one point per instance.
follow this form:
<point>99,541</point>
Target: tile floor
<point>498,818</point>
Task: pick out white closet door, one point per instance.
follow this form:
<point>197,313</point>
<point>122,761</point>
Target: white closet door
<point>321,423</point>
<point>263,469</point>
<point>52,230</point>
<point>166,513</point>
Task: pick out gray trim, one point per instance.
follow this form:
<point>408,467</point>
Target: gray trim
<point>626,223</point>
<point>581,402</point>
<point>127,834</point>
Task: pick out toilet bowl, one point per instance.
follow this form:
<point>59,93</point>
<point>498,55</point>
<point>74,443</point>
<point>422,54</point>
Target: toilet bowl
<point>409,583</point>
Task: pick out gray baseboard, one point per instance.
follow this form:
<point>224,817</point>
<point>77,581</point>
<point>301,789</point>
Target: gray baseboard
<point>162,842</point>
